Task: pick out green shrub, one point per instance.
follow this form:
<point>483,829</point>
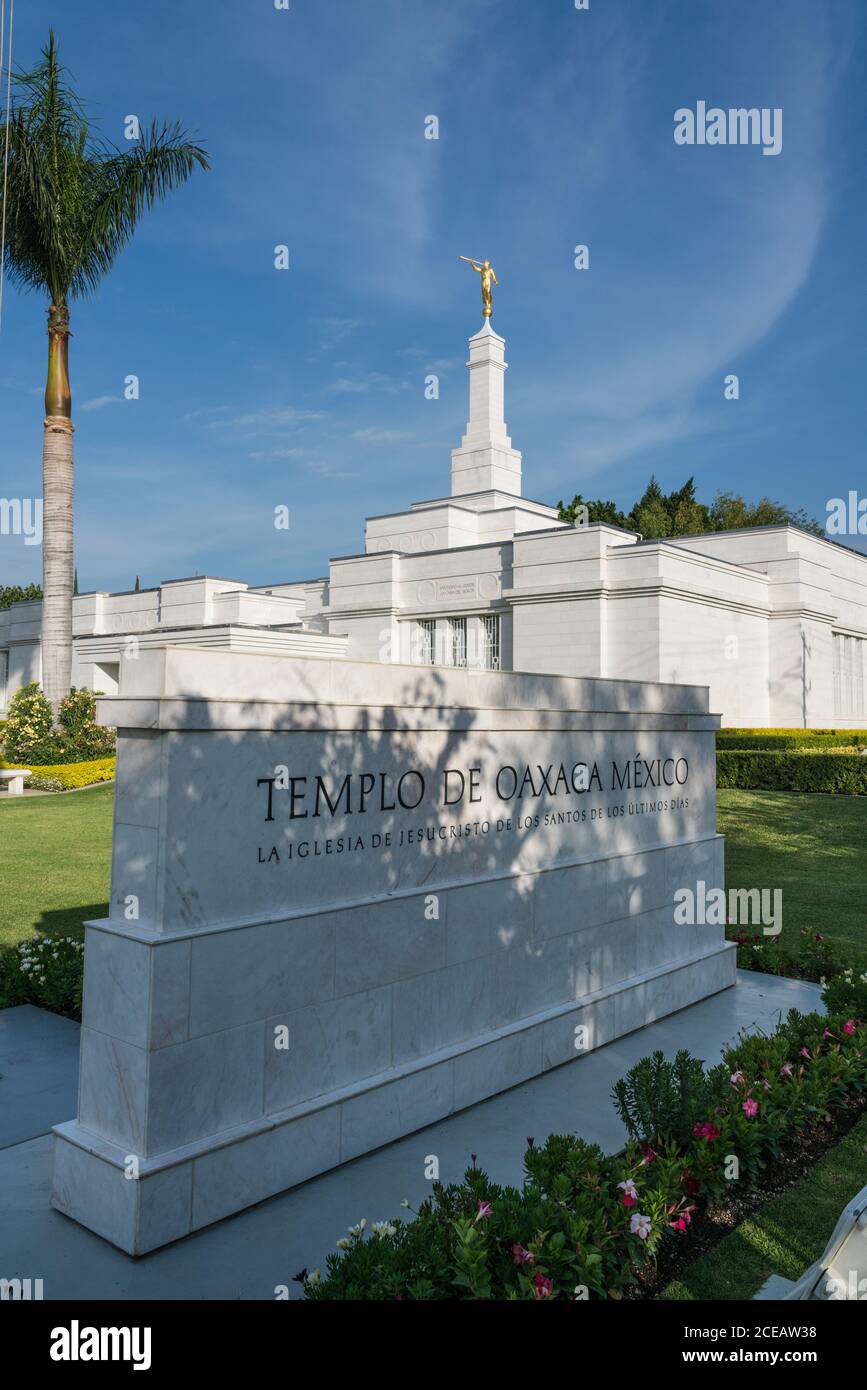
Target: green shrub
<point>580,1226</point>
<point>846,993</point>
<point>28,738</point>
<point>28,725</point>
<point>660,1101</point>
<point>792,771</point>
<point>47,971</point>
<point>813,957</point>
<point>584,1221</point>
<point>779,740</point>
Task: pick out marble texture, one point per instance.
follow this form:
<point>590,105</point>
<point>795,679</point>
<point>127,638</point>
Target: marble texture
<point>259,1022</point>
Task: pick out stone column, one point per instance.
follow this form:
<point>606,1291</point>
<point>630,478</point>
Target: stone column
<point>486,461</point>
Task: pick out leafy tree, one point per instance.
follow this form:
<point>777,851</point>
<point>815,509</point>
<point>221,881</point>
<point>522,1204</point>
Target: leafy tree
<point>598,510</point>
<point>72,203</point>
<point>15,593</point>
<point>729,512</point>
<point>650,515</point>
<point>679,513</point>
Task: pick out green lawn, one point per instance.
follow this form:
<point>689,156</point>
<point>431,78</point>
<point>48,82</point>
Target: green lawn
<point>55,856</point>
<point>55,860</point>
<point>812,847</point>
<point>784,1236</point>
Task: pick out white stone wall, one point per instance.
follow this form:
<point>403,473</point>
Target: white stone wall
<point>553,913</point>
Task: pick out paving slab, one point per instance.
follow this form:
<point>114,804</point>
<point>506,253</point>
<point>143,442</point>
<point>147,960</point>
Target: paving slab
<point>250,1255</point>
<point>38,1072</point>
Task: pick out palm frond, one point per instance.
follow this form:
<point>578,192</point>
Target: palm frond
<point>73,203</point>
<point>128,182</point>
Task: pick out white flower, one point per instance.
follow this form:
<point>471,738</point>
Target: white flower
<point>640,1225</point>
<point>383,1229</point>
<point>343,1243</point>
<point>628,1187</point>
<point>314,1277</point>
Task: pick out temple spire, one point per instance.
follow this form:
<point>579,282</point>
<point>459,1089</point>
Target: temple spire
<point>486,461</point>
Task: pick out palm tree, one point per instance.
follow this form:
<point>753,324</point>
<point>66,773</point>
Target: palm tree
<point>72,203</point>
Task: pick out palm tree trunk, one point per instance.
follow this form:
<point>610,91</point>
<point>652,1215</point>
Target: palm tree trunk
<point>57,555</point>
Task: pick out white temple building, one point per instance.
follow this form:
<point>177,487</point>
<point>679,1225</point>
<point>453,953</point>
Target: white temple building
<point>773,619</point>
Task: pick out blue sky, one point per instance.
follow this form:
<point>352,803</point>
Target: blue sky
<point>306,387</point>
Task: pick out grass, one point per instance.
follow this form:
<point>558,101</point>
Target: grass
<point>56,853</point>
<point>812,847</point>
<point>785,1235</point>
<point>55,861</point>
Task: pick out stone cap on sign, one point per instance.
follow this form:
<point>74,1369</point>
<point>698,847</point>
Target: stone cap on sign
<point>175,687</point>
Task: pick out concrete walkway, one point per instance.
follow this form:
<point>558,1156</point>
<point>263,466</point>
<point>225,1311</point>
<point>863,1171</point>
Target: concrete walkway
<point>249,1255</point>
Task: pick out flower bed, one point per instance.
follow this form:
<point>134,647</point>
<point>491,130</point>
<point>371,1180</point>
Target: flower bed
<point>66,776</point>
<point>584,1223</point>
<point>813,958</point>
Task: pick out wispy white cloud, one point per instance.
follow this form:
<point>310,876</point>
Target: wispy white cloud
<point>268,420</point>
<point>373,381</point>
<point>372,435</point>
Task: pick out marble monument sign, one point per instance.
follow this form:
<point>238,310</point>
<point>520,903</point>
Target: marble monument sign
<point>351,898</point>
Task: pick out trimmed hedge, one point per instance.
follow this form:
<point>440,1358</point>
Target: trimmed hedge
<point>778,740</point>
<point>752,770</point>
<point>65,776</point>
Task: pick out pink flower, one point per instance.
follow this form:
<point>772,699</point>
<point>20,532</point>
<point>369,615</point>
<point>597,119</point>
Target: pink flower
<point>485,1209</point>
<point>849,1026</point>
<point>648,1154</point>
<point>827,1033</point>
<point>630,1192</point>
<point>706,1130</point>
<point>750,1108</point>
<point>640,1225</point>
<point>522,1256</point>
<point>767,1085</point>
<point>692,1185</point>
<point>737,1077</point>
<point>542,1286</point>
<point>786,1069</point>
<point>679,1225</point>
<point>804,1053</point>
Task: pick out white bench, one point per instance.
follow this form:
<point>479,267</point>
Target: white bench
<point>841,1273</point>
<point>14,779</point>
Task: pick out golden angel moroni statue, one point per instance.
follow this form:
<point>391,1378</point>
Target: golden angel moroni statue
<point>489,278</point>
